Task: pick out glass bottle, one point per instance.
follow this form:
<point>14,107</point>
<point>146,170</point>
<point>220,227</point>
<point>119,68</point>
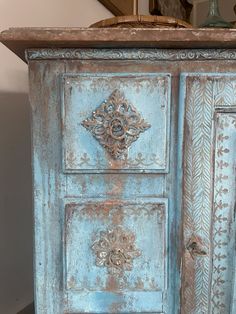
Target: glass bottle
<point>214,18</point>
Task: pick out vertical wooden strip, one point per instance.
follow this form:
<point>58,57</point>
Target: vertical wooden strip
<point>223,231</point>
<point>204,93</point>
<point>197,193</point>
<point>48,185</point>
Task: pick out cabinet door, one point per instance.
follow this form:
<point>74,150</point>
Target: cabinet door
<point>115,239</point>
<point>104,191</point>
<point>115,256</point>
<point>208,104</point>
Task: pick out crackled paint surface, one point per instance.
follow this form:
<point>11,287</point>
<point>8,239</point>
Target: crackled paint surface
<point>178,179</point>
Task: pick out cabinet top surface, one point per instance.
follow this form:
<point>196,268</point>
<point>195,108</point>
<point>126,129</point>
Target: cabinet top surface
<point>20,39</point>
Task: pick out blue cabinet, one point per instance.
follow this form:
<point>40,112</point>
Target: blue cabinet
<point>134,180</point>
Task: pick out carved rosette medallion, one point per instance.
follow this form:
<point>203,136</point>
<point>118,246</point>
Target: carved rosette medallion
<point>115,249</point>
<point>116,124</point>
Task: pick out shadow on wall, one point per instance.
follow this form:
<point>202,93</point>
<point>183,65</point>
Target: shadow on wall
<point>16,235</point>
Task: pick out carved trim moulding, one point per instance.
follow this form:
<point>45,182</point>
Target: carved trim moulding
<point>131,54</point>
<point>223,212</point>
<point>205,95</point>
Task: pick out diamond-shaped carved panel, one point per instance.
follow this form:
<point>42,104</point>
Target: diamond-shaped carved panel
<point>131,135</point>
<point>116,124</point>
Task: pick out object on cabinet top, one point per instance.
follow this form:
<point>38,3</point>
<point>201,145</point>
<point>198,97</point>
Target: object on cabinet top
<point>180,9</point>
<point>142,21</point>
<point>214,18</point>
<point>173,13</point>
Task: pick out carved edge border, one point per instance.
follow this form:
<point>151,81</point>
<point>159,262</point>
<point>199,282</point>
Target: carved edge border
<point>196,210</point>
<point>223,211</point>
<point>130,54</point>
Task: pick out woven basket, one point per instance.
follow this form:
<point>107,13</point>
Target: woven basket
<point>142,21</point>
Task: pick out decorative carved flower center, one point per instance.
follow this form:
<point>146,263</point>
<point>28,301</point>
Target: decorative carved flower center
<point>116,257</point>
<point>116,124</point>
<point>115,250</point>
<point>117,129</point>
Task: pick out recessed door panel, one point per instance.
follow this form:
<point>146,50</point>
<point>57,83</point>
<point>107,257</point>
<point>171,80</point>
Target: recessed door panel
<point>115,250</point>
<point>115,122</point>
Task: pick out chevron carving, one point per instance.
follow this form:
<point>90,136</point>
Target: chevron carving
<point>204,95</point>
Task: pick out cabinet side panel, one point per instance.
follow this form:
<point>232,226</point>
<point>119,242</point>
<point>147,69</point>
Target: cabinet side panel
<point>46,137</point>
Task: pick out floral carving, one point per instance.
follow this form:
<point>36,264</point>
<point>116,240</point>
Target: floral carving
<point>138,162</point>
<point>115,250</point>
<point>116,124</point>
<point>132,54</point>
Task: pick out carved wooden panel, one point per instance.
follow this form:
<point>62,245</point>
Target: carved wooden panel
<point>116,122</point>
<point>115,249</point>
<point>206,221</point>
<point>131,54</point>
<point>223,232</point>
<point>112,247</point>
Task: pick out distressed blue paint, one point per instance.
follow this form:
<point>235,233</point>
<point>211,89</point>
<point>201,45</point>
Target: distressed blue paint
<point>96,302</point>
<point>48,185</point>
<point>223,235</point>
<point>212,223</point>
<point>101,186</point>
<point>147,220</point>
<point>148,93</point>
<point>53,189</point>
<point>66,275</point>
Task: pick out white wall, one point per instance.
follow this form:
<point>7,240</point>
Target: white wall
<point>20,13</point>
<point>16,289</point>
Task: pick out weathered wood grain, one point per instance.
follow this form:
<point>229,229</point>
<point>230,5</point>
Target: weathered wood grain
<point>19,39</point>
